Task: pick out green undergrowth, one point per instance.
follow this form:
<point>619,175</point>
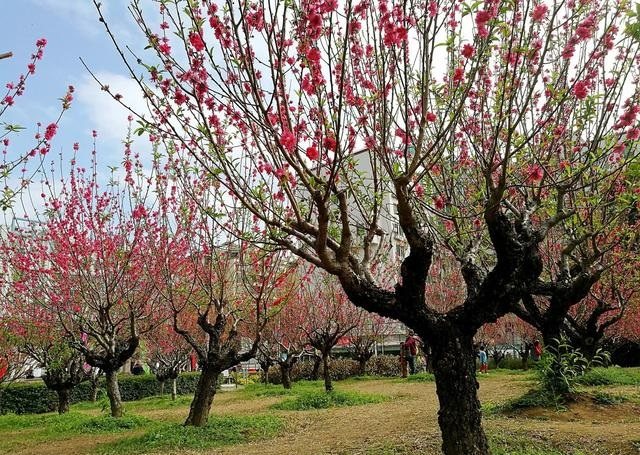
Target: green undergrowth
<point>71,423</point>
<point>421,377</point>
<point>534,398</point>
<point>220,431</point>
<point>308,400</point>
<point>273,390</point>
<point>517,444</point>
<point>23,430</point>
<point>610,376</point>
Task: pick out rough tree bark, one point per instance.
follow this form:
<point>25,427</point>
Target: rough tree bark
<point>64,399</point>
<point>326,373</point>
<point>460,417</point>
<point>113,392</point>
<point>203,398</point>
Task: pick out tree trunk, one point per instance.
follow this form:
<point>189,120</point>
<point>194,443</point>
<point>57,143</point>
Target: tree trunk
<point>316,368</point>
<point>161,388</point>
<point>285,375</point>
<point>328,387</point>
<point>113,392</point>
<point>459,417</point>
<point>174,388</point>
<point>64,399</point>
<point>265,373</point>
<point>362,366</point>
<point>94,391</point>
<point>203,398</point>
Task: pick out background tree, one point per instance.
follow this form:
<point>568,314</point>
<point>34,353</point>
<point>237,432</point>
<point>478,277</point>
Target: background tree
<point>362,339</point>
<point>284,340</point>
<point>219,293</point>
<point>36,334</point>
<point>167,355</point>
<point>328,318</point>
<point>484,124</point>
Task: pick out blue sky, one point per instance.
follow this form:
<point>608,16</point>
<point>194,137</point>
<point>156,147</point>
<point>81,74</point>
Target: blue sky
<point>72,31</point>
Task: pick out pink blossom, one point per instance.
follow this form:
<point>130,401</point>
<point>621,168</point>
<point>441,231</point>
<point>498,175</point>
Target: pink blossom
<point>433,9</point>
<point>580,89</point>
<point>288,141</point>
<point>8,100</point>
<point>419,189</point>
<point>438,202</point>
<point>535,173</point>
<point>50,131</point>
<point>313,55</point>
<point>633,134</point>
<point>431,117</point>
<point>165,48</point>
<point>539,12</point>
<point>42,42</point>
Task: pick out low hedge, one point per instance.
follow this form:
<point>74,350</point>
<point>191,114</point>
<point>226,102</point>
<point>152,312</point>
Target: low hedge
<point>341,368</point>
<point>33,397</point>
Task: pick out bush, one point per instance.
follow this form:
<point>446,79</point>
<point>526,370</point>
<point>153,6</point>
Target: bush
<point>561,367</point>
<point>323,400</point>
<point>341,368</point>
<point>384,365</point>
<point>34,398</point>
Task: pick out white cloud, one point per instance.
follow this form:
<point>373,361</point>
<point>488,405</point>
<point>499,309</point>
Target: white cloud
<point>104,114</point>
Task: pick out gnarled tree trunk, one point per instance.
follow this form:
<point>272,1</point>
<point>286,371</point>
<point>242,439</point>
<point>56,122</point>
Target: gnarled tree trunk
<point>459,417</point>
<point>326,364</point>
<point>64,399</point>
<point>113,392</point>
<point>174,388</point>
<point>285,375</point>
<point>203,398</point>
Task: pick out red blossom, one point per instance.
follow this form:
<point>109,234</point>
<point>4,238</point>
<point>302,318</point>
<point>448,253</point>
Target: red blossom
<point>458,74</point>
<point>288,141</point>
<point>312,153</point>
<point>196,41</point>
<point>468,50</point>
<point>438,202</point>
<point>329,143</point>
<point>581,89</point>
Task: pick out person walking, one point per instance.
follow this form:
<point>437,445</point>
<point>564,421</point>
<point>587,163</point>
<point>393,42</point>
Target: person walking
<point>410,351</point>
<point>484,360</point>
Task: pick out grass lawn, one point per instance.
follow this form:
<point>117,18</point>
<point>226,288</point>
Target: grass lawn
<point>364,416</point>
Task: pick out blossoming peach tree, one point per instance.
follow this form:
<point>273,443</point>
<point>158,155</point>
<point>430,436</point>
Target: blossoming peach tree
<point>219,293</point>
<point>82,261</point>
<point>490,125</point>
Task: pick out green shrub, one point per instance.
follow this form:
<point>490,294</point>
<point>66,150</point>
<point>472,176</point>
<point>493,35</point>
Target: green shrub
<point>561,366</point>
<point>34,398</point>
<point>323,400</point>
